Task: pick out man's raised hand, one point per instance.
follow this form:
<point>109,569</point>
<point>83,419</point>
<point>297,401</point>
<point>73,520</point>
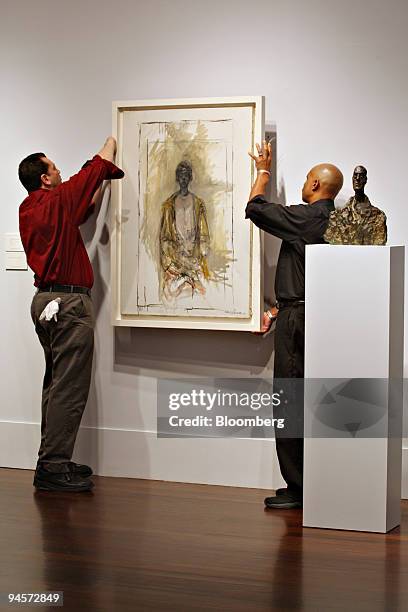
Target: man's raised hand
<point>263,160</point>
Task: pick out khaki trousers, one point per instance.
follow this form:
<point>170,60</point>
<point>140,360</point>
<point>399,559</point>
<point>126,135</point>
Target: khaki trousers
<point>68,349</point>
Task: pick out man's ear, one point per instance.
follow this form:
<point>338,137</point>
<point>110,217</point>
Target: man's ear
<point>316,185</point>
<point>45,180</point>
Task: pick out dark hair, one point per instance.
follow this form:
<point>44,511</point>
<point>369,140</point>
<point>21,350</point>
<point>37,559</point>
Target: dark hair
<point>185,165</point>
<point>31,169</point>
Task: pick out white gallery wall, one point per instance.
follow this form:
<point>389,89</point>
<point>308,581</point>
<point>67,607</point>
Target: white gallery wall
<point>335,80</point>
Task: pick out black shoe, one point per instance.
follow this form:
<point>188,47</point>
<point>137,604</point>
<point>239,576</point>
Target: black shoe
<point>48,481</point>
<point>287,491</point>
<point>80,469</point>
<point>283,502</point>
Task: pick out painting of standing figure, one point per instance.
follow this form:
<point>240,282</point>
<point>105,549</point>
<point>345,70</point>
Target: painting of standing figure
<point>184,256</point>
<point>184,239</point>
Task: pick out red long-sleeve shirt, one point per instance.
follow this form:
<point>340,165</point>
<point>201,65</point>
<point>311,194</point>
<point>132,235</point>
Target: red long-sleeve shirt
<point>49,226</point>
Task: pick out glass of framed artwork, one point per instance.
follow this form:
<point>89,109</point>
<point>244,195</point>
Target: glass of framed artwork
<point>183,254</point>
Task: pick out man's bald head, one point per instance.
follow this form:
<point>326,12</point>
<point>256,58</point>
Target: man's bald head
<point>323,181</point>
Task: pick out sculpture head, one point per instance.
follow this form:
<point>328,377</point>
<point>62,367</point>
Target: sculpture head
<point>323,181</point>
<point>184,174</point>
<point>359,178</point>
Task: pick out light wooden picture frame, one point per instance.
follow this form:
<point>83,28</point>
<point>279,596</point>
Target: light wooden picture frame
<point>182,253</point>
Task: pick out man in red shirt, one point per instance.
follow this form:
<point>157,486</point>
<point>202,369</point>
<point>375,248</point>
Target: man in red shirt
<point>50,217</point>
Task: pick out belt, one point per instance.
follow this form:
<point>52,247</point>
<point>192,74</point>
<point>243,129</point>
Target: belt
<point>65,289</point>
<point>286,303</point>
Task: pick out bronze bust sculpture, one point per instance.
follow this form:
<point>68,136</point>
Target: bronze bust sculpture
<point>358,222</point>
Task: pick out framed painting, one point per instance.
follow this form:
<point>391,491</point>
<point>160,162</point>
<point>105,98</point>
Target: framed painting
<point>183,254</point>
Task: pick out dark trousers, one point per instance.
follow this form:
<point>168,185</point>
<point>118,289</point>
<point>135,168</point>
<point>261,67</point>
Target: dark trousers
<point>289,364</point>
<point>68,349</point>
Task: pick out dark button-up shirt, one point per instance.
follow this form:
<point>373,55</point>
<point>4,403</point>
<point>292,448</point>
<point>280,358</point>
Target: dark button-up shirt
<point>297,226</point>
<point>49,226</point>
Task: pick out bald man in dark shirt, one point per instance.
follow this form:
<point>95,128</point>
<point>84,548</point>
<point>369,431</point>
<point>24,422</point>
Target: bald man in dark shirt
<point>297,226</point>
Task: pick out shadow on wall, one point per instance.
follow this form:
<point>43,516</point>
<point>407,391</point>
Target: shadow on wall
<point>94,231</point>
<point>191,352</point>
<point>275,193</point>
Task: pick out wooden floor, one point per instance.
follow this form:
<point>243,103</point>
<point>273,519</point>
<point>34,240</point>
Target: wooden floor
<point>145,545</point>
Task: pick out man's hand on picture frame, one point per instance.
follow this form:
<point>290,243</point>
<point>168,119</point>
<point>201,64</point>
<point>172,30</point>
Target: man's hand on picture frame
<point>269,316</point>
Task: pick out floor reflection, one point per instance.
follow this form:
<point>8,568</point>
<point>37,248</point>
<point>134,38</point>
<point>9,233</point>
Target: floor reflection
<point>66,543</point>
<point>287,591</point>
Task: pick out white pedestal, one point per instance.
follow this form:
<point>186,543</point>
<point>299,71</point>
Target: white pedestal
<point>354,330</point>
